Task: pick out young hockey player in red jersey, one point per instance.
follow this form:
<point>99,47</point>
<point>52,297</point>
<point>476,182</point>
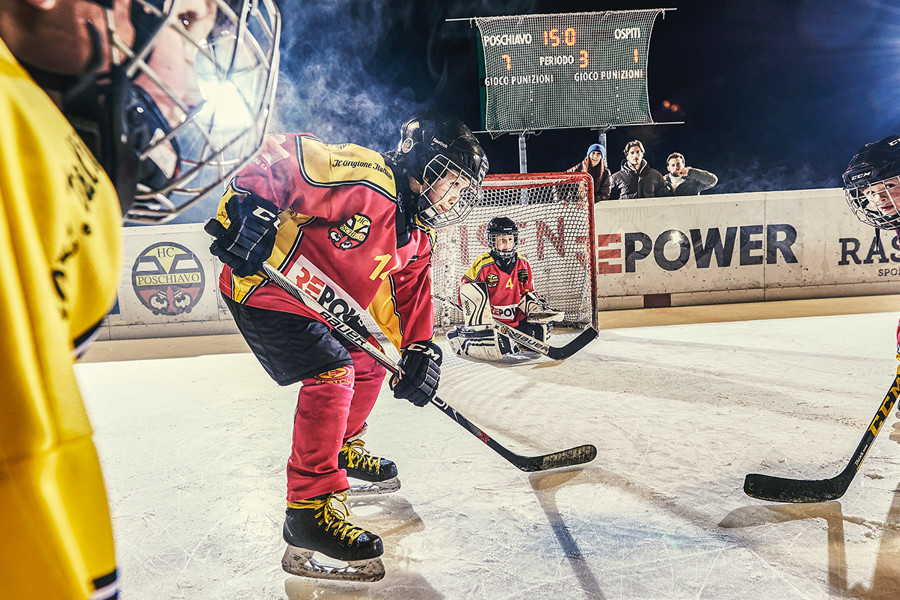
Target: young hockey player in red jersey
<point>499,286</point>
<point>352,228</point>
<point>872,189</point>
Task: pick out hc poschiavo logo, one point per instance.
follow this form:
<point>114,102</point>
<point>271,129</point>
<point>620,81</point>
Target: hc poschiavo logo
<point>352,233</point>
<point>167,278</point>
<point>492,280</point>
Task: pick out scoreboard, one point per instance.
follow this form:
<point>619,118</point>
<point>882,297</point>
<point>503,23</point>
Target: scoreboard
<point>565,70</point>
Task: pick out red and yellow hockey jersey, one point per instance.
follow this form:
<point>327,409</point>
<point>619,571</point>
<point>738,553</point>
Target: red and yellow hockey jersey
<point>505,290</point>
<point>339,237</point>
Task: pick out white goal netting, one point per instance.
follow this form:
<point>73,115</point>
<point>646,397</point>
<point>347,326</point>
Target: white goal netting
<point>555,216</point>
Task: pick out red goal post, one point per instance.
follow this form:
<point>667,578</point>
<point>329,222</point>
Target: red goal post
<point>555,215</point>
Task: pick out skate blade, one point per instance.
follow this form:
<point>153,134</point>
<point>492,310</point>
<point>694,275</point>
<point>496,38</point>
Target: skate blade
<point>367,488</point>
<point>300,561</point>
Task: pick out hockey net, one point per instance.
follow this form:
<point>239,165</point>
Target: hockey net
<point>555,215</point>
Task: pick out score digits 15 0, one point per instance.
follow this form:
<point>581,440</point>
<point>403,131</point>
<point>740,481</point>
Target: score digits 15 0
<point>552,40</point>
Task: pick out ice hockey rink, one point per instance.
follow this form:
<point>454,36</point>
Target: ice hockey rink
<point>681,404</point>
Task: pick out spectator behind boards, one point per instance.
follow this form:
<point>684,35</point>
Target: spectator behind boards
<point>686,181</point>
<point>636,179</point>
<point>594,164</point>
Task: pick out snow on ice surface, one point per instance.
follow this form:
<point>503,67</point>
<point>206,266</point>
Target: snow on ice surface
<point>194,450</point>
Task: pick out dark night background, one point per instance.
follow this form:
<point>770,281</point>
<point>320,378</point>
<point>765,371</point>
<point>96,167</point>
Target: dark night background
<point>774,95</point>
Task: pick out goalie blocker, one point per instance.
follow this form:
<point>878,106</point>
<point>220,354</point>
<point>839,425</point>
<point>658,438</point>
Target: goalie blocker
<point>480,337</point>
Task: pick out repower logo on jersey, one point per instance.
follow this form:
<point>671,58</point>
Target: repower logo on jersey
<point>168,278</point>
<point>673,249</point>
<point>504,313</point>
<point>326,292</point>
<point>352,233</point>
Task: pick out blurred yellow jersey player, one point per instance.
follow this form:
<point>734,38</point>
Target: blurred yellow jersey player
<point>100,113</point>
<point>60,259</point>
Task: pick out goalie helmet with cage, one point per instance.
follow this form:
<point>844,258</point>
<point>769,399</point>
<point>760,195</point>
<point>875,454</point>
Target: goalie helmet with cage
<point>184,103</point>
<point>872,183</point>
<point>444,156</point>
<point>503,226</point>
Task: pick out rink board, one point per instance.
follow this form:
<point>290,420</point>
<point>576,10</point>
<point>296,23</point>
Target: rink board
<point>738,248</point>
<point>708,249</point>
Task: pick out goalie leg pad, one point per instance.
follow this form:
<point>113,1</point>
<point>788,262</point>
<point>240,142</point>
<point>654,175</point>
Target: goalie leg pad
<point>482,344</point>
<point>539,331</point>
<point>476,306</point>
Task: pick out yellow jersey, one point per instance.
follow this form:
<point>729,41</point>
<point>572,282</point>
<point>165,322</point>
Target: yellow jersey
<point>60,255</point>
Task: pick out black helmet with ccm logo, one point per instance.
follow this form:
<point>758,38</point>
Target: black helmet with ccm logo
<point>872,183</point>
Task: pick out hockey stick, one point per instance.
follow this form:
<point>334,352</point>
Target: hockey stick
<point>780,489</point>
<point>536,345</point>
<point>564,458</point>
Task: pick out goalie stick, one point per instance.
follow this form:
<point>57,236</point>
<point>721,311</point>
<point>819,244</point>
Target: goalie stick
<point>564,458</point>
<point>780,489</point>
<point>523,339</point>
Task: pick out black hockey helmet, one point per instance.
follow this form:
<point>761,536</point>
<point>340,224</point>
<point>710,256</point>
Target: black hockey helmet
<point>502,226</point>
<point>872,183</point>
<point>432,146</point>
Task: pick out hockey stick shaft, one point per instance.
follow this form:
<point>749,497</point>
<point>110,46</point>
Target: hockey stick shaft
<point>780,489</point>
<point>564,458</point>
<point>536,345</point>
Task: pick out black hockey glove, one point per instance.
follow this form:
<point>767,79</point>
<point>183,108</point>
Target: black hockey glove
<point>250,237</point>
<point>420,371</point>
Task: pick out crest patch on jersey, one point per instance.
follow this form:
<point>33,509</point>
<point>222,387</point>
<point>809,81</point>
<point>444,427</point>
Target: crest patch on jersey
<point>492,280</point>
<point>352,233</point>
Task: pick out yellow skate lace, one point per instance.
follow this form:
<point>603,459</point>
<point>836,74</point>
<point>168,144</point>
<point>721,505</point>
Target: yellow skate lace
<point>334,519</point>
<point>357,455</point>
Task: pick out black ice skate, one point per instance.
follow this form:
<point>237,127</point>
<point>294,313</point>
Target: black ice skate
<point>379,474</point>
<point>315,525</point>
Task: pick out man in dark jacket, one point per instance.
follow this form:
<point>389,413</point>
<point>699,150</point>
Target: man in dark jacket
<point>686,181</point>
<point>636,179</point>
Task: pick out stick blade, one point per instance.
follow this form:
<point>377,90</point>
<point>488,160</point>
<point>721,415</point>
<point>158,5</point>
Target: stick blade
<point>582,340</point>
<point>780,489</point>
<point>556,460</point>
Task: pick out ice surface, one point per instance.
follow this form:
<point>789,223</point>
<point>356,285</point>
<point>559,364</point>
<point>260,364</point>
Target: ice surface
<point>194,451</point>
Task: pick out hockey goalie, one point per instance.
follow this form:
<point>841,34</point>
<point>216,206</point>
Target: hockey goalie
<point>498,289</point>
